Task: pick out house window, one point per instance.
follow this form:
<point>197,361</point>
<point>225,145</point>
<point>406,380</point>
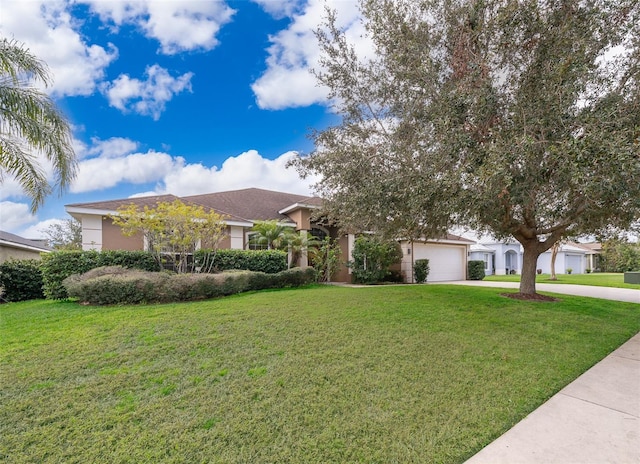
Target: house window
<point>318,233</point>
<point>486,261</point>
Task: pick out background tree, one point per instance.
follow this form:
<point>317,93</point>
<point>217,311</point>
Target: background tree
<point>173,231</point>
<point>66,235</point>
<point>620,256</point>
<point>31,125</point>
<point>514,117</point>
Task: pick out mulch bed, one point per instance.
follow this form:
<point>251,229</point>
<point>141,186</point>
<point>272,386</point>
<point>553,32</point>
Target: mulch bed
<point>526,297</point>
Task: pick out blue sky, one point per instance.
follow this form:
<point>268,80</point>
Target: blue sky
<point>181,97</point>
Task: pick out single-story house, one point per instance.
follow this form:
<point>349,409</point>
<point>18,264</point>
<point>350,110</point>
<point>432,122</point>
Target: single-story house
<point>242,208</point>
<point>574,256</point>
<point>15,247</point>
<point>502,257</point>
<point>505,257</point>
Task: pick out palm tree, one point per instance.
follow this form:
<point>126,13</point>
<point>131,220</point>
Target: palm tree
<point>31,125</point>
<point>269,233</point>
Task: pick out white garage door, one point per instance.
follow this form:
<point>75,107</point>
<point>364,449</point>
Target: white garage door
<point>446,262</point>
<point>575,263</point>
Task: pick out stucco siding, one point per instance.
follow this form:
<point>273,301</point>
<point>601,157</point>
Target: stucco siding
<point>114,239</point>
<point>7,253</point>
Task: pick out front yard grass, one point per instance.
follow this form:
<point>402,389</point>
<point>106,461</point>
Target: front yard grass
<point>599,279</point>
<point>316,375</point>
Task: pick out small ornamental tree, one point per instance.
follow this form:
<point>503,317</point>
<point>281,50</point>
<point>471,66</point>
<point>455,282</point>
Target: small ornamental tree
<point>173,231</point>
<point>372,257</point>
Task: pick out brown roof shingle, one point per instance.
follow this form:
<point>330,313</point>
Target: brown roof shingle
<point>250,204</point>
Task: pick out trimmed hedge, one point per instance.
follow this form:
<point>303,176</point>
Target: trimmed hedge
<point>21,280</point>
<point>59,265</point>
<point>475,270</point>
<point>267,261</point>
<point>117,285</point>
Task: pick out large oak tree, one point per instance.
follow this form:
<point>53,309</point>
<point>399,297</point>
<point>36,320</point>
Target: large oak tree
<point>516,117</point>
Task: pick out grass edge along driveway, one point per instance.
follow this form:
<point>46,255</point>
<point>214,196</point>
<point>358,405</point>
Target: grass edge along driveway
<point>321,374</point>
<point>598,279</point>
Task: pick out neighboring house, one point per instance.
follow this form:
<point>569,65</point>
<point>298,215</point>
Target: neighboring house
<point>570,255</point>
<point>15,247</point>
<point>506,257</point>
<point>447,258</point>
<point>241,209</point>
<point>479,252</point>
<point>503,258</point>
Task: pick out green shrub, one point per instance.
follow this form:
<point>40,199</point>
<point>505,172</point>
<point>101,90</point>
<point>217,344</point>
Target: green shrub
<point>267,261</point>
<point>372,257</point>
<point>421,270</point>
<point>117,285</point>
<point>475,270</point>
<point>59,265</point>
<point>21,280</point>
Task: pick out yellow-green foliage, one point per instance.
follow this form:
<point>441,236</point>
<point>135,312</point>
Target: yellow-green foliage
<point>172,230</point>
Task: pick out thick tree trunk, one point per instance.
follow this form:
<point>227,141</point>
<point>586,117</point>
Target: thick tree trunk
<point>529,263</point>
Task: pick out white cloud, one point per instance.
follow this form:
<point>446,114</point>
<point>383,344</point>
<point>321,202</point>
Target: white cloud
<point>51,33</point>
<point>280,8</point>
<point>287,81</point>
<point>138,168</point>
<point>113,147</point>
<point>37,231</point>
<point>177,25</point>
<point>249,169</point>
<point>15,215</point>
<point>147,97</point>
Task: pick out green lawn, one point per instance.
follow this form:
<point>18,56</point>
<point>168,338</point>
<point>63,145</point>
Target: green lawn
<point>316,375</point>
<point>600,279</point>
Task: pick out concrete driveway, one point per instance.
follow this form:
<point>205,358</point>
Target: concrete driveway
<point>607,293</point>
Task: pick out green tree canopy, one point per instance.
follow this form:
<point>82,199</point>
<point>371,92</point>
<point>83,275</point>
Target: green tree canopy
<point>516,117</point>
<point>66,235</point>
<point>31,125</point>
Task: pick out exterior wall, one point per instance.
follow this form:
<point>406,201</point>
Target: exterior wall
<point>92,232</point>
<point>344,274</point>
<point>302,218</point>
<point>7,253</point>
<point>225,243</point>
<point>113,239</point>
<point>236,237</point>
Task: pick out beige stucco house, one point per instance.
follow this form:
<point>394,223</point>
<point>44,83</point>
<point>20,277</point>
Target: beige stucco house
<point>15,247</point>
<point>242,208</point>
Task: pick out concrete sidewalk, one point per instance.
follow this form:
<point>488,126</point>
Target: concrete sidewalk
<point>594,419</point>
<point>607,293</point>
